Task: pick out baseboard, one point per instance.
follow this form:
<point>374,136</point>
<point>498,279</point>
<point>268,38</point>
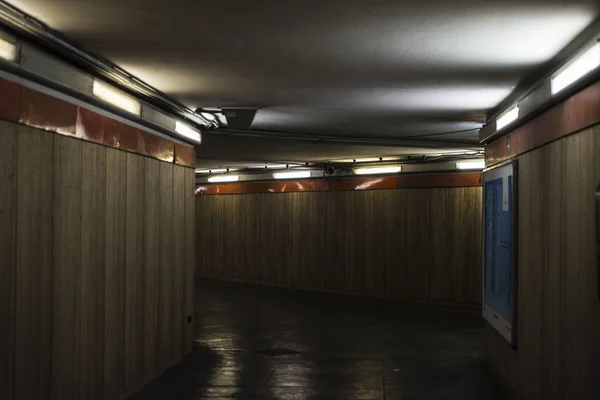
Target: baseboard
<point>471,306</point>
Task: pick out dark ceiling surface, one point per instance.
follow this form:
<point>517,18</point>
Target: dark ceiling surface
<point>359,68</point>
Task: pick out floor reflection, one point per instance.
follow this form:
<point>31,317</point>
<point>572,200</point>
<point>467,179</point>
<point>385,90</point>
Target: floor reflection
<point>253,342</point>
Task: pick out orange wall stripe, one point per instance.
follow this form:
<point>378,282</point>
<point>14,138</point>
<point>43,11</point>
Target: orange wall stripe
<point>578,112</point>
<point>39,110</point>
<point>347,184</point>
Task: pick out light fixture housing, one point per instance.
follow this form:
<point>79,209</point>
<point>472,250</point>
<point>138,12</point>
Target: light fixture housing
<point>211,171</point>
<point>292,175</point>
<point>208,116</point>
<point>470,164</point>
<point>8,50</point>
<point>116,97</point>
<point>576,69</point>
<point>224,178</point>
<point>391,169</point>
<point>187,131</point>
<point>507,117</point>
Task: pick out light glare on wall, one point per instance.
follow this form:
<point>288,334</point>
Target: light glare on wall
<point>508,117</point>
<point>187,131</point>
<point>116,98</point>
<point>292,175</point>
<point>224,178</point>
<point>580,67</point>
<point>475,164</point>
<point>8,50</point>
<point>378,170</point>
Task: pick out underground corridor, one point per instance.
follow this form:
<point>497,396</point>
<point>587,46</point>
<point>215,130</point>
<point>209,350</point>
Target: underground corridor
<point>297,200</point>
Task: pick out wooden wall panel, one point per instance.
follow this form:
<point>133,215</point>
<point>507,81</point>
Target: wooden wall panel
<point>558,353</point>
<point>251,239</point>
<point>468,245</point>
<point>417,247</point>
<point>335,261</point>
<point>66,267</point>
<point>166,249</point>
<point>150,281</point>
<point>589,179</point>
<point>134,270</point>
<point>34,301</point>
<point>93,254</point>
<point>355,241</point>
<point>80,245</point>
<point>441,255</point>
<point>8,240</point>
<point>177,270</point>
<point>190,261</point>
<point>268,236</point>
<point>317,239</point>
<point>114,306</point>
<point>283,239</point>
<point>374,250</point>
<point>395,239</point>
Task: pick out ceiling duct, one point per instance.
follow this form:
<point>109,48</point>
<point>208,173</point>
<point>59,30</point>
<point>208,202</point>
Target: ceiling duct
<point>239,118</point>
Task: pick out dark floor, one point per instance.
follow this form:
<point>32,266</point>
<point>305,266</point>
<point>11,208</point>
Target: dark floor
<point>253,342</point>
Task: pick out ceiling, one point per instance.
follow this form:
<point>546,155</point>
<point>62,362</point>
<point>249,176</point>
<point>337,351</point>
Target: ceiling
<point>416,77</point>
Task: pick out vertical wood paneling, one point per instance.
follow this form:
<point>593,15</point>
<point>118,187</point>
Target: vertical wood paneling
<point>166,249</point>
<point>283,236</point>
<point>33,301</point>
<point>335,267</point>
<point>93,236</point>
<point>374,250</point>
<point>177,270</point>
<point>8,216</point>
<point>347,241</point>
<point>318,241</point>
<point>417,266</point>
<point>552,236</point>
<point>66,267</point>
<point>268,237</point>
<point>558,354</point>
<point>441,255</point>
<point>80,239</point>
<point>190,262</point>
<point>395,238</point>
<point>151,230</point>
<point>589,178</point>
<point>354,242</point>
<point>236,234</point>
<point>134,270</point>
<point>114,316</point>
<point>251,237</point>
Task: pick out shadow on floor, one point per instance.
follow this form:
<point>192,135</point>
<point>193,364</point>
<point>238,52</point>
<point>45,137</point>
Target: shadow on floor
<point>253,342</point>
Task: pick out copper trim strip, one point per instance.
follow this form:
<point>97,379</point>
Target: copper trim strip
<point>578,112</point>
<point>29,107</point>
<point>347,184</point>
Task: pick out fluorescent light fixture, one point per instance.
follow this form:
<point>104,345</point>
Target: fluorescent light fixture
<point>187,131</point>
<point>371,159</point>
<point>292,175</point>
<point>378,170</point>
<point>211,171</point>
<point>116,98</point>
<point>577,69</point>
<point>224,178</point>
<point>472,164</point>
<point>8,50</point>
<point>508,117</point>
<point>208,116</point>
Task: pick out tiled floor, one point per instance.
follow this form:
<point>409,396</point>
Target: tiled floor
<point>254,342</point>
